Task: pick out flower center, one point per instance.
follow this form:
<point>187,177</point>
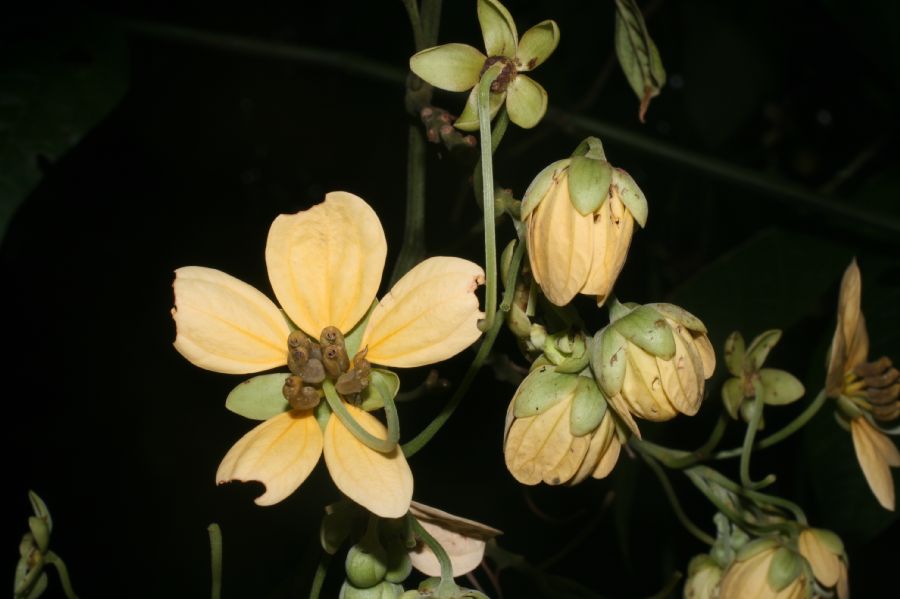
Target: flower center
<point>313,362</point>
<point>507,74</point>
<point>875,386</point>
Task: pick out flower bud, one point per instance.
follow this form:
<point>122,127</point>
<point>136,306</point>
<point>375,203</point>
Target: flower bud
<point>580,215</point>
<point>384,590</point>
<point>703,578</point>
<point>825,553</point>
<point>657,358</point>
<point>366,564</point>
<point>763,569</point>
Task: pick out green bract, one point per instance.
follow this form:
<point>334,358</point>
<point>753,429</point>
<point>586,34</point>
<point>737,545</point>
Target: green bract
<point>638,54</point>
<point>459,67</point>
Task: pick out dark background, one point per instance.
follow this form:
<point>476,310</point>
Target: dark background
<point>773,143</point>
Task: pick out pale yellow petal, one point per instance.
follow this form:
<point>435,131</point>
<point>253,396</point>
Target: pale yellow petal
<point>843,584</point>
<point>874,463</point>
<point>613,229</point>
<point>689,370</point>
<point>462,539</point>
<point>746,579</point>
<point>536,445</point>
<point>380,482</point>
<point>642,386</point>
<point>225,325</point>
<point>280,453</point>
<point>600,442</point>
<point>570,462</point>
<point>561,245</point>
<point>620,407</point>
<point>609,459</point>
<point>325,263</point>
<point>826,566</point>
<point>707,354</point>
<point>850,318</point>
<point>431,314</point>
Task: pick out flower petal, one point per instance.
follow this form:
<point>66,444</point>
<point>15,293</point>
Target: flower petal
<point>613,228</point>
<point>325,263</point>
<point>468,120</point>
<point>526,101</point>
<point>875,459</point>
<point>497,28</point>
<point>600,444</point>
<point>431,314</point>
<point>225,325</point>
<point>535,446</point>
<point>280,453</point>
<point>826,566</point>
<point>609,459</point>
<point>453,67</point>
<point>536,45</point>
<point>850,345</point>
<point>462,539</point>
<point>380,482</point>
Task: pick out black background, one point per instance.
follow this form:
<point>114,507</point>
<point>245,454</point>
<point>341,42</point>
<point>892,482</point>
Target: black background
<point>121,436</point>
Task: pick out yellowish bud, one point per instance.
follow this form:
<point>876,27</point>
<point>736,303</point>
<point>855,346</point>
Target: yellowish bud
<point>825,553</point>
<point>758,574</point>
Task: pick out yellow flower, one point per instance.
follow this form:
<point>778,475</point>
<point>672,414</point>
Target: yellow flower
<point>463,540</point>
<point>764,570</point>
<point>825,553</point>
<point>866,391</point>
<point>325,266</point>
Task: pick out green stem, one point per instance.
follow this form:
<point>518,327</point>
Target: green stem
<point>779,436</point>
<point>695,476</point>
<point>704,451</point>
<point>431,19</point>
<point>750,436</point>
<point>365,437</point>
<point>761,499</point>
<point>420,440</point>
<point>321,573</point>
<point>52,558</point>
<point>487,193</point>
<point>215,559</point>
<point>415,21</point>
<point>439,553</point>
<point>413,249</point>
<point>692,528</point>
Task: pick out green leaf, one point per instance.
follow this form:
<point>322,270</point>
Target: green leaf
<point>536,45</point>
<point>638,54</point>
<point>497,28</point>
<point>589,182</point>
<point>259,398</point>
<point>779,387</point>
<point>57,84</point>
<point>371,398</point>
<point>453,67</point>
<point>526,101</point>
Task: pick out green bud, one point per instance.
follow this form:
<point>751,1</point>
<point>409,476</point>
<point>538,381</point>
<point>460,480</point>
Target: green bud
<point>540,186</point>
<point>734,353</point>
<point>779,387</point>
<point>631,195</point>
<point>567,351</point>
<point>703,578</point>
<point>384,590</point>
<point>399,567</point>
<point>413,594</point>
<point>41,532</point>
<point>733,396</point>
<point>785,568</point>
<point>336,525</point>
<point>589,182</point>
<point>588,407</point>
<point>590,147</point>
<point>366,564</point>
<point>542,389</point>
<point>759,349</point>
<point>259,398</point>
<point>40,509</point>
<point>646,328</point>
<point>608,359</point>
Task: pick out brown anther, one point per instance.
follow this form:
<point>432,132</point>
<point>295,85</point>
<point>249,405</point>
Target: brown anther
<point>889,377</point>
<point>297,358</point>
<point>331,336</point>
<point>886,413</point>
<point>331,361</point>
<point>350,383</point>
<point>306,399</point>
<point>313,372</point>
<point>291,388</point>
<point>298,339</point>
<point>872,368</point>
<point>883,396</point>
<point>315,352</point>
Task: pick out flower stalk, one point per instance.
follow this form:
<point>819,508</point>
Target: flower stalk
<point>368,439</point>
<point>487,193</point>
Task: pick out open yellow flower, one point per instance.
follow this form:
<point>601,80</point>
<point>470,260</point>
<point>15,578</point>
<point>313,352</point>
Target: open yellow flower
<point>866,391</point>
<point>325,265</point>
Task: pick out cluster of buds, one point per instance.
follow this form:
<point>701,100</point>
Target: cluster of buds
<point>652,361</point>
<point>580,214</point>
<point>35,555</point>
<point>771,385</point>
<point>311,363</point>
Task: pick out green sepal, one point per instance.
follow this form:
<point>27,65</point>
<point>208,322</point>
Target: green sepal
<point>541,390</point>
<point>779,387</point>
<point>526,101</point>
<point>366,563</point>
<point>732,396</point>
<point>759,349</point>
<point>371,398</point>
<point>337,523</point>
<point>40,531</point>
<point>588,407</point>
<point>40,509</point>
<point>646,328</point>
<point>589,182</point>
<point>631,195</point>
<point>468,120</point>
<point>784,569</point>
<point>619,310</point>
<point>536,45</point>
<point>259,398</point>
<point>322,413</point>
<point>832,542</point>
<point>754,547</point>
<point>453,67</point>
<point>680,315</point>
<point>399,567</point>
<point>540,185</point>
<point>734,353</point>
<point>608,359</point>
<point>569,353</point>
<point>354,337</point>
<point>638,54</point>
<point>590,147</point>
<point>498,29</point>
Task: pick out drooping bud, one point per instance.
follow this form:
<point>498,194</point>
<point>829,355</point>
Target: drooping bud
<point>366,563</point>
<point>703,578</point>
<point>764,569</point>
<point>580,215</point>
